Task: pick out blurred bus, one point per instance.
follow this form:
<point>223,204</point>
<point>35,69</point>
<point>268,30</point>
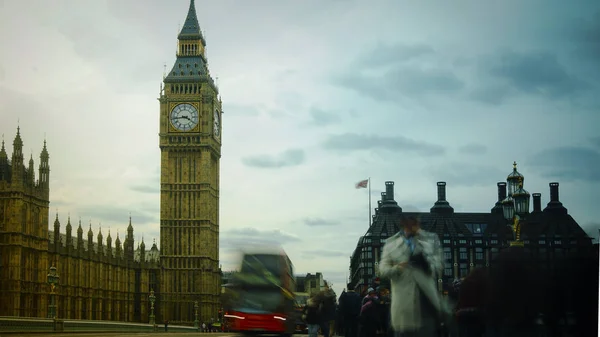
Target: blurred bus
<point>263,302</point>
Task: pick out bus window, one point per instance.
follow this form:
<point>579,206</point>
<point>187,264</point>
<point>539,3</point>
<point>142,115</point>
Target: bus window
<point>260,301</point>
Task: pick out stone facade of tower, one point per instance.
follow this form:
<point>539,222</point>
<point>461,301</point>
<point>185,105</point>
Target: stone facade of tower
<point>96,279</point>
<point>23,232</point>
<point>190,144</point>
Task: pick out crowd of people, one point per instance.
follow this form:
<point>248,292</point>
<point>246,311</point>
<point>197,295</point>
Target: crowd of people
<point>511,298</point>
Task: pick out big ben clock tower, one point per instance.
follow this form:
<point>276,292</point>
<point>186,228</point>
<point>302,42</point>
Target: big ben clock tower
<point>190,144</point>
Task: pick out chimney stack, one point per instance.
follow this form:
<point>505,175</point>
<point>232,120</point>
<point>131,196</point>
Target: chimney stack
<point>501,196</point>
<point>501,191</point>
<point>441,205</point>
<point>383,196</point>
<point>379,203</point>
<point>441,186</point>
<point>554,192</point>
<point>389,190</point>
<point>555,206</point>
<point>537,202</point>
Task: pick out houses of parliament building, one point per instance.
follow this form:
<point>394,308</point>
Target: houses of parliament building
<point>102,279</point>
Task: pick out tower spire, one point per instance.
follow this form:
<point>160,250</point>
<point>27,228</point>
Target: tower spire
<point>191,27</point>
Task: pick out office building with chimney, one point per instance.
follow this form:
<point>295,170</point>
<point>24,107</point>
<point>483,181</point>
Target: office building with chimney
<point>472,240</point>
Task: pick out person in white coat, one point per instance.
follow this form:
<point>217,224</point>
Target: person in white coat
<point>412,260</point>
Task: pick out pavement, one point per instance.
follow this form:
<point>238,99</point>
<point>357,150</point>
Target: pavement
<point>115,334</point>
<point>130,334</point>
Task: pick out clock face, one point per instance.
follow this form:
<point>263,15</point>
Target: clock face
<point>184,117</point>
<point>216,126</point>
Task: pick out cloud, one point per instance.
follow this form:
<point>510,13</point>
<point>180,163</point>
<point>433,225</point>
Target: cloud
<point>459,174</point>
<point>323,253</point>
<point>492,94</point>
<point>475,149</point>
<point>357,142</point>
<point>319,222</point>
<point>145,188</point>
<point>288,158</point>
<point>402,81</point>
<point>395,71</point>
<point>568,163</point>
<point>585,34</point>
<point>116,214</point>
<point>531,73</point>
<point>385,54</point>
<point>320,117</point>
<point>230,109</point>
<point>235,239</point>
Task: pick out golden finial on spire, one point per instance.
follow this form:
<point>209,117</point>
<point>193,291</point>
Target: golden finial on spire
<point>515,165</point>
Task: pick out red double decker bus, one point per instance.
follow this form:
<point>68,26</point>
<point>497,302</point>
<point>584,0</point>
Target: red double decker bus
<point>263,295</point>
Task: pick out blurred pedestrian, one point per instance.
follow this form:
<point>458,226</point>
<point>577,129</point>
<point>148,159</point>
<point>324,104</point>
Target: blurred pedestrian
<point>412,260</point>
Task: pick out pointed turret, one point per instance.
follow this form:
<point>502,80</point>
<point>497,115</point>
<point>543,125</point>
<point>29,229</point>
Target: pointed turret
<point>79,236</point>
<point>109,245</point>
<point>69,232</point>
<point>56,232</point>
<point>100,243</point>
<point>130,229</point>
<point>90,241</point>
<point>44,170</point>
<point>129,242</point>
<point>18,171</point>
<point>118,246</point>
<point>31,172</point>
<point>142,251</point>
<point>4,165</point>
<point>90,233</point>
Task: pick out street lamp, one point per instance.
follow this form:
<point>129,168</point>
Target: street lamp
<point>152,298</point>
<point>53,281</point>
<point>516,205</point>
<point>196,323</point>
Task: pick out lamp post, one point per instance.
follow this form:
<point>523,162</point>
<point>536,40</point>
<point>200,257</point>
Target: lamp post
<point>196,323</point>
<point>516,205</point>
<point>152,298</point>
<point>52,281</point>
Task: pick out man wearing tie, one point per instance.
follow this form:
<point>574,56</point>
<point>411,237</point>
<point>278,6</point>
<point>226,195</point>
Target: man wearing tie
<point>412,260</point>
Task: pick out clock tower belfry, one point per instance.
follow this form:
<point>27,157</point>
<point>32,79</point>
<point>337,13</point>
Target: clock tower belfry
<point>190,144</point>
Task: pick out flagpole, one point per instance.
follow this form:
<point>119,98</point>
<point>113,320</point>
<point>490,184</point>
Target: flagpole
<point>370,202</point>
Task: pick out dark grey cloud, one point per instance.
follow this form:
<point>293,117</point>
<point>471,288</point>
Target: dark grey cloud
<point>399,78</point>
<point>319,222</point>
<point>459,174</point>
<point>401,81</point>
<point>568,163</point>
<point>320,117</point>
<point>234,239</point>
<point>584,34</point>
<point>105,213</point>
<point>533,73</point>
<point>596,141</point>
<point>493,94</point>
<point>323,253</point>
<point>385,54</point>
<point>291,157</point>
<point>473,148</point>
<point>355,142</point>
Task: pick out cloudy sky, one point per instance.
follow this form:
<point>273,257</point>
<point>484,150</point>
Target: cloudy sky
<point>317,96</point>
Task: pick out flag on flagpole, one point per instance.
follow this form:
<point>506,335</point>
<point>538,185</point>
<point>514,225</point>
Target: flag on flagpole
<point>362,183</point>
